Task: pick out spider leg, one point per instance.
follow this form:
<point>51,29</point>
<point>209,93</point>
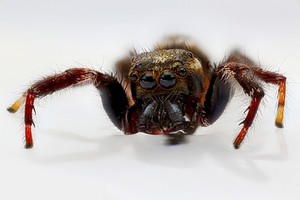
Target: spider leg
<point>248,81</point>
<point>268,77</point>
<point>113,96</point>
<point>276,79</point>
<point>249,78</point>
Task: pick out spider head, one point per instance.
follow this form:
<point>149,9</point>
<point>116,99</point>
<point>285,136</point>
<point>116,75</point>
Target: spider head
<point>165,83</point>
<point>164,72</point>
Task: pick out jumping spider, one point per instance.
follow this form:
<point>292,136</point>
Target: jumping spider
<point>171,90</point>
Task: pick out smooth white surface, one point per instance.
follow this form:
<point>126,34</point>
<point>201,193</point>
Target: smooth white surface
<point>79,154</point>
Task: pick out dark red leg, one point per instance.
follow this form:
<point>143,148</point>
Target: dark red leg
<point>268,77</point>
<point>250,84</point>
<point>248,75</point>
<point>112,93</point>
<point>28,119</point>
<point>248,121</point>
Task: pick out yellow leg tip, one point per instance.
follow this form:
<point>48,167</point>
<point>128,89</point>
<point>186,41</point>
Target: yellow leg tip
<point>279,118</point>
<point>15,107</point>
<point>278,124</point>
<point>12,109</point>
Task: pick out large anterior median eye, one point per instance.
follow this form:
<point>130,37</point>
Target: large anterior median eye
<point>167,80</point>
<point>148,82</point>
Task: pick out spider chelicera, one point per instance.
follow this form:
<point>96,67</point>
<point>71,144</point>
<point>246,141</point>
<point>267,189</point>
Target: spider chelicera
<point>171,90</point>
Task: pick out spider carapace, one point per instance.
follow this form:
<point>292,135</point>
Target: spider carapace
<point>171,90</point>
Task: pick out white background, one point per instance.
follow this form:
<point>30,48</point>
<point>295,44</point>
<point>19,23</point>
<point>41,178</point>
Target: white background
<point>79,154</point>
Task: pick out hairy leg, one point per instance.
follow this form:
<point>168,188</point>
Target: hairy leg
<point>249,76</point>
<point>112,93</point>
<point>280,80</point>
<point>268,77</point>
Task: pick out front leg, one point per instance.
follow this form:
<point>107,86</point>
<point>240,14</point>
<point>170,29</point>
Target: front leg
<point>113,96</point>
<point>249,77</point>
<point>265,76</point>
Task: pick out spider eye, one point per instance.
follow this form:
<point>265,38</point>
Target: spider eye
<point>167,80</point>
<point>133,76</point>
<point>190,54</point>
<point>182,71</point>
<point>148,82</point>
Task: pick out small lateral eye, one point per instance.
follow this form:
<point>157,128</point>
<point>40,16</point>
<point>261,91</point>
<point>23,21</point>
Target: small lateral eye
<point>133,76</point>
<point>190,54</point>
<point>182,71</point>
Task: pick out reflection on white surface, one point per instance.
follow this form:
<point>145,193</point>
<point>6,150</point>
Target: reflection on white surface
<point>79,154</point>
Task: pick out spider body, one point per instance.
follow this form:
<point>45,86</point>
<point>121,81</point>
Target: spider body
<point>171,90</point>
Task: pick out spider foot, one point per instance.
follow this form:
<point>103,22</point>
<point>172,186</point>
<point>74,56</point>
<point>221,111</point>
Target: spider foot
<point>236,145</point>
<point>28,146</point>
<point>278,124</point>
<point>15,107</point>
<point>279,118</point>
